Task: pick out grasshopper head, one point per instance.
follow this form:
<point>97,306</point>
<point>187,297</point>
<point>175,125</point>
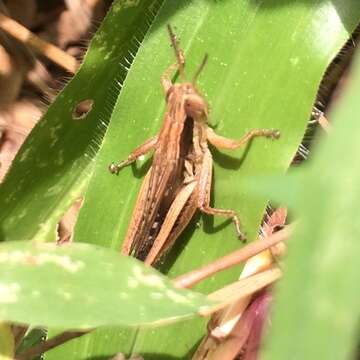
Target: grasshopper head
<point>195,105</point>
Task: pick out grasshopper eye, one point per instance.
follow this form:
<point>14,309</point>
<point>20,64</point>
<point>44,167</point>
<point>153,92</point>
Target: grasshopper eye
<point>196,107</point>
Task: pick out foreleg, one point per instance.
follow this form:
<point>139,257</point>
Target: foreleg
<point>139,151</point>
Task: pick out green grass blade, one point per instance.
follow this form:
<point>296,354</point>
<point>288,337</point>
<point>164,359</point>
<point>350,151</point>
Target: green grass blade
<point>317,302</point>
<point>54,164</point>
<point>266,60</point>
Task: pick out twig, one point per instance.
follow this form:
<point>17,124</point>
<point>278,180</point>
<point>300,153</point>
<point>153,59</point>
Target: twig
<point>192,278</point>
<point>57,340</point>
<point>52,52</point>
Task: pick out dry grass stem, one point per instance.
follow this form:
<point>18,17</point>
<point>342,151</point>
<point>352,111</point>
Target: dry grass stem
<point>50,51</point>
<point>192,278</point>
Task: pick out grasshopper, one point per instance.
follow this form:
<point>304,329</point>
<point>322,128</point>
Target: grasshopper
<point>179,180</point>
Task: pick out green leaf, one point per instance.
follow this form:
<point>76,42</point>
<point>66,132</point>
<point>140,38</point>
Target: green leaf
<point>54,164</point>
<point>266,60</point>
<point>317,302</point>
<point>95,286</point>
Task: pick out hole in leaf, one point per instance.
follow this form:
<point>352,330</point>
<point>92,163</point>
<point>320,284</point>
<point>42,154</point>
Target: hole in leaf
<point>82,109</point>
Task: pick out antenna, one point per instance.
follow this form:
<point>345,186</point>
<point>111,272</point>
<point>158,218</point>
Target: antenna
<point>200,69</point>
<point>178,53</point>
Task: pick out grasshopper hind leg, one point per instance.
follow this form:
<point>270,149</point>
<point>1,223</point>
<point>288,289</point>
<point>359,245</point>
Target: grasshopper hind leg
<point>227,213</point>
<point>204,196</point>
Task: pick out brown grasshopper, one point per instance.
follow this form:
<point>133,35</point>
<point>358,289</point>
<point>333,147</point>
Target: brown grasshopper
<point>179,180</point>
